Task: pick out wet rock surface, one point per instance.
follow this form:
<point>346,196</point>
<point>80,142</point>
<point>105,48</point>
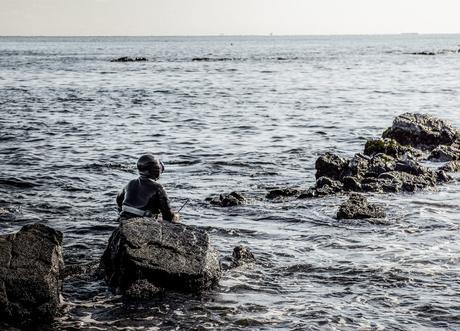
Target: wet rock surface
<point>452,166</point>
<point>357,207</point>
<point>445,153</point>
<point>242,255</point>
<point>283,193</point>
<point>161,254</point>
<point>330,165</point>
<point>129,59</point>
<point>422,131</point>
<point>142,289</point>
<point>392,163</point>
<point>9,213</point>
<point>31,264</point>
<point>227,200</point>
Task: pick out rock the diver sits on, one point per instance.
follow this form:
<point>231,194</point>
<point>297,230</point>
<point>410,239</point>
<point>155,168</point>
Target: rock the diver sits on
<point>144,196</point>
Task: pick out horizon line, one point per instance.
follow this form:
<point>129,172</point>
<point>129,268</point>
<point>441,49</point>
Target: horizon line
<point>235,35</point>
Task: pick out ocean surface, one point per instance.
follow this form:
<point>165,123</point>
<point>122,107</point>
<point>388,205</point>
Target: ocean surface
<point>255,115</point>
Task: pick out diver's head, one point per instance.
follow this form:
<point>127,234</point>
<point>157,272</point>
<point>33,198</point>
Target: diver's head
<point>149,166</point>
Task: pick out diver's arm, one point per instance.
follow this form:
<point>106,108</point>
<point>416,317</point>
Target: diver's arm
<point>165,208</point>
<point>120,198</point>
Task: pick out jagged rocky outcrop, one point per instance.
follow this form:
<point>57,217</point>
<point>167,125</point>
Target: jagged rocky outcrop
<point>393,162</point>
<point>227,200</point>
<point>129,59</point>
<point>31,264</point>
<point>242,255</point>
<point>357,207</point>
<point>146,255</point>
<point>421,131</point>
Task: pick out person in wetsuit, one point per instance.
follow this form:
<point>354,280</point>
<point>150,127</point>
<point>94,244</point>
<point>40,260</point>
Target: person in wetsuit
<point>144,196</point>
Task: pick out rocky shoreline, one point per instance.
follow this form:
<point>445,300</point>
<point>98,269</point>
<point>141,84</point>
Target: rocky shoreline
<point>145,257</point>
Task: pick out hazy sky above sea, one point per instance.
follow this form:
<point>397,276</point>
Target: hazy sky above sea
<point>231,17</point>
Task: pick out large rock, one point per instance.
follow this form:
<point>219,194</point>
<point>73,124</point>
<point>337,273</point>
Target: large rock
<point>330,165</point>
<point>421,131</point>
<point>357,207</point>
<point>30,274</point>
<point>166,255</point>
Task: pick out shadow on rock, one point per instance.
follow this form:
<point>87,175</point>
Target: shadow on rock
<point>148,256</point>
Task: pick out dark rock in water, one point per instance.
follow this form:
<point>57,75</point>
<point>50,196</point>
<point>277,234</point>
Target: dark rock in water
<point>357,207</point>
<point>8,213</point>
<point>452,166</point>
<point>389,147</point>
<point>242,255</point>
<point>330,165</point>
<point>227,200</point>
<point>326,186</point>
<point>358,166</point>
<point>379,164</point>
<point>282,193</point>
<point>142,289</point>
<point>351,183</point>
<point>423,53</point>
<point>444,153</point>
<point>211,59</point>
<point>129,59</point>
<point>411,167</point>
<point>421,131</point>
<point>166,255</point>
<point>391,164</point>
<point>30,274</point>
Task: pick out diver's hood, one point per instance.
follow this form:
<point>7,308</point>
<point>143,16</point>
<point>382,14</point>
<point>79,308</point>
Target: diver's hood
<point>149,166</point>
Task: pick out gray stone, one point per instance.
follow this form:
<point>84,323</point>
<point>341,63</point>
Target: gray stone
<point>445,153</point>
<point>421,131</point>
<point>169,256</point>
<point>389,147</point>
<point>452,166</point>
<point>357,207</point>
<point>142,289</point>
<point>330,165</point>
<point>31,264</point>
<point>242,255</point>
<point>227,200</point>
<point>283,193</point>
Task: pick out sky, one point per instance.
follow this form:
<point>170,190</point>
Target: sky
<point>229,17</point>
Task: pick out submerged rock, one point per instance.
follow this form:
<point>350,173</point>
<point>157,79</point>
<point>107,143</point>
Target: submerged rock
<point>129,59</point>
<point>165,255</point>
<point>421,131</point>
<point>227,200</point>
<point>30,274</point>
<point>282,193</point>
<point>357,207</point>
<point>8,213</point>
<point>142,289</point>
<point>242,255</point>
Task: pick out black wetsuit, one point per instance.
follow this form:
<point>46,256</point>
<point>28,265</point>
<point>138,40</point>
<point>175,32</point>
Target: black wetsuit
<point>145,194</point>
